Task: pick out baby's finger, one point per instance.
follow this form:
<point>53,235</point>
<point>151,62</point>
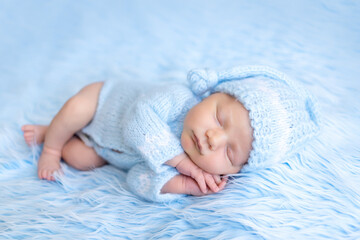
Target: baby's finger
<point>201,182</point>
<point>217,178</point>
<point>224,178</point>
<point>210,181</point>
<point>223,183</point>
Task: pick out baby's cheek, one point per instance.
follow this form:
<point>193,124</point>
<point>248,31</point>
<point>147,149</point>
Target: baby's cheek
<point>186,142</point>
<point>217,164</point>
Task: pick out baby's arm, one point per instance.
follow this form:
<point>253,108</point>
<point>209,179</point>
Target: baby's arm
<point>205,181</point>
<point>153,186</point>
<point>182,184</point>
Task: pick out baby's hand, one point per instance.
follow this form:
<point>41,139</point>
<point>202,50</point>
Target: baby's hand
<point>205,180</point>
<point>187,185</point>
<point>192,188</point>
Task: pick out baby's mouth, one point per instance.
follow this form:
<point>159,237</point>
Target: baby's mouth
<point>197,143</point>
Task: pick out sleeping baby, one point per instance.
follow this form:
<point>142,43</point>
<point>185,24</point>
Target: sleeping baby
<point>179,138</point>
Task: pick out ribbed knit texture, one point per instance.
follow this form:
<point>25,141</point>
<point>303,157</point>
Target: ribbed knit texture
<point>139,124</point>
<point>283,114</point>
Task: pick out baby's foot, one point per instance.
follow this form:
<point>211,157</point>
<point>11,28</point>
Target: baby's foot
<point>49,163</point>
<point>34,134</point>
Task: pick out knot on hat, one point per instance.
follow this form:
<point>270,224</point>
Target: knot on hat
<point>202,80</point>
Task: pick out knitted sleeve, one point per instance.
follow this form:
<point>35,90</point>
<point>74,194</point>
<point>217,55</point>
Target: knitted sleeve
<point>148,130</point>
<point>147,184</point>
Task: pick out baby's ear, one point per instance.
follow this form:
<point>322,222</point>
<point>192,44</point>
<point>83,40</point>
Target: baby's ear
<point>202,80</point>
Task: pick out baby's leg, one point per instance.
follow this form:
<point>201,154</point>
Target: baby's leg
<point>76,113</point>
<point>80,156</point>
<point>35,134</point>
<point>75,152</point>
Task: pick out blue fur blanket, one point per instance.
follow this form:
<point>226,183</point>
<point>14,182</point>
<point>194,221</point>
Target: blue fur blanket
<point>50,49</point>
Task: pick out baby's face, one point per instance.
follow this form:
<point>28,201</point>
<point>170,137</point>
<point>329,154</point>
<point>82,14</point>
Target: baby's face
<point>217,134</point>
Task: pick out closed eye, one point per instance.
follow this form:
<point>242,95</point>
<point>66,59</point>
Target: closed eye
<point>218,120</point>
<point>228,154</point>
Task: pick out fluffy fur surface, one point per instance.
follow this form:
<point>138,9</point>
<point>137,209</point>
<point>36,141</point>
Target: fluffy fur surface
<point>48,51</point>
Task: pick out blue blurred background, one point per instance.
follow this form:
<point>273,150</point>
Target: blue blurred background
<point>51,49</point>
<point>63,44</point>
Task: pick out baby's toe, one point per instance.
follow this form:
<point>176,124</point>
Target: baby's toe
<point>27,128</point>
<point>29,138</point>
<point>49,175</point>
<point>28,133</point>
<point>41,174</point>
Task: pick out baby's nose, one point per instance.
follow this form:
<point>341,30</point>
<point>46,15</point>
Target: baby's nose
<point>216,138</point>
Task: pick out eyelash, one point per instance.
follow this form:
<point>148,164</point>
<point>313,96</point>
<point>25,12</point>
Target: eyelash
<point>227,153</point>
<point>217,118</point>
<point>220,124</point>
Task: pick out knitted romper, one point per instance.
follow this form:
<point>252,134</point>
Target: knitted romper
<point>137,128</point>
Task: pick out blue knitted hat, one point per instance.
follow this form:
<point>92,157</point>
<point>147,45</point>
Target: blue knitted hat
<point>283,115</point>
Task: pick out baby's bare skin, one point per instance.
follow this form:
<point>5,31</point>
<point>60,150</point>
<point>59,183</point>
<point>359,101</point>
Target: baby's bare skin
<point>34,134</point>
<point>58,139</point>
<point>49,161</point>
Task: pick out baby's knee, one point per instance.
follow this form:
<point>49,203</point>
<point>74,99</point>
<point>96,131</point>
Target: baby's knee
<point>81,157</point>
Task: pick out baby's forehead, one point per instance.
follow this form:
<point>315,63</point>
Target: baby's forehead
<point>235,114</point>
<point>230,102</point>
<point>222,96</point>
